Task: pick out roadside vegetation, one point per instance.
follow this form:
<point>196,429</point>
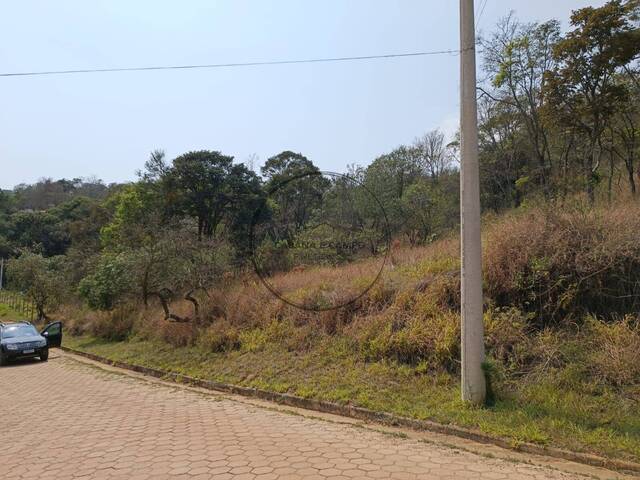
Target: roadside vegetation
<point>159,272</point>
<point>563,351</point>
<point>8,314</point>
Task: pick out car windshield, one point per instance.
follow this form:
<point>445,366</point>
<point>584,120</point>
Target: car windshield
<point>19,331</point>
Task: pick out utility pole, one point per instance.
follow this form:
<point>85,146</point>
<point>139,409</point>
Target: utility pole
<point>1,271</point>
<point>473,381</point>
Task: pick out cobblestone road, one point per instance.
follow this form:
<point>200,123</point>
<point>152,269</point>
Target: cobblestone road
<point>68,419</point>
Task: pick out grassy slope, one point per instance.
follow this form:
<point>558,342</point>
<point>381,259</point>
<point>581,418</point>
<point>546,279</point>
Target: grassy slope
<point>603,422</point>
<point>7,314</point>
<point>569,384</point>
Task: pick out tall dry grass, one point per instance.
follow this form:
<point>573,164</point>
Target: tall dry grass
<point>553,278</point>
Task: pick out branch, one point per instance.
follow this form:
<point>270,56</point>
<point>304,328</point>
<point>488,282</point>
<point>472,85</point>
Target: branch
<point>495,99</point>
<point>165,306</point>
<point>196,305</point>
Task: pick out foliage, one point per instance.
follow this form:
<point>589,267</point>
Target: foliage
<point>559,112</point>
<point>108,284</point>
<point>207,184</point>
<point>583,91</point>
<point>564,262</point>
<point>38,278</point>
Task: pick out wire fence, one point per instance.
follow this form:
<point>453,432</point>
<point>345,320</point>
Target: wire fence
<point>19,303</point>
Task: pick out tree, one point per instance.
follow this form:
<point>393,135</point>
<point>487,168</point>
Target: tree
<point>108,283</point>
<point>295,186</point>
<point>624,128</point>
<point>387,178</point>
<point>504,165</point>
<point>516,58</point>
<point>581,90</point>
<point>433,153</point>
<point>38,278</point>
<point>137,217</point>
<point>205,185</point>
<point>38,231</point>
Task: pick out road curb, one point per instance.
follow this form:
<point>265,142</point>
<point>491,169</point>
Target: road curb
<point>369,415</point>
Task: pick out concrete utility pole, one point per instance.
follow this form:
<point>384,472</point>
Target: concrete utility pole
<point>473,381</point>
<point>1,271</point>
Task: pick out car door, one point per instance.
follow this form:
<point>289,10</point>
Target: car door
<point>53,334</point>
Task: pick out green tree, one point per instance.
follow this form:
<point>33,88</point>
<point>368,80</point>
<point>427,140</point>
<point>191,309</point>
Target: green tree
<point>295,186</point>
<point>206,185</point>
<point>108,283</point>
<point>39,279</point>
<point>516,57</point>
<point>387,178</point>
<point>581,90</point>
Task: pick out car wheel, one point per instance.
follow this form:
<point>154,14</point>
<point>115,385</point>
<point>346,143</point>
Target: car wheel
<point>3,360</point>
<point>44,356</point>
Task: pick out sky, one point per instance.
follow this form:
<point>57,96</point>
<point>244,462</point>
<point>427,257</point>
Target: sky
<point>106,124</point>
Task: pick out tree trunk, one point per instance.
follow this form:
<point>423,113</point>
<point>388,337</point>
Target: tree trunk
<point>167,312</point>
<point>145,289</point>
<point>611,170</point>
<point>42,316</point>
<point>594,164</point>
<point>196,305</point>
<point>632,180</point>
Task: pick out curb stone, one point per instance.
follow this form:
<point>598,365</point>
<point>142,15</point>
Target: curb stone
<point>365,414</point>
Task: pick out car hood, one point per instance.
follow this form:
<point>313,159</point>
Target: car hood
<point>29,338</point>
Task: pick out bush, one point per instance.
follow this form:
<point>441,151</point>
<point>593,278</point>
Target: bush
<point>177,334</point>
<point>432,341</point>
<point>565,263</point>
<point>613,350</point>
<point>116,324</point>
<point>220,337</point>
<point>507,337</point>
<point>108,283</point>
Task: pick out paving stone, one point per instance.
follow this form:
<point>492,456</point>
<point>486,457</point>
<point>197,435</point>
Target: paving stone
<point>97,424</point>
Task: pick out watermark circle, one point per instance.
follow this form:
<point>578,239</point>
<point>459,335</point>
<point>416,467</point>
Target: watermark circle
<point>315,221</point>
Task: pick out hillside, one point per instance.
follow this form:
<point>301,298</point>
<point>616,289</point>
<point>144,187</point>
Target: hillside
<point>562,332</point>
<point>345,286</point>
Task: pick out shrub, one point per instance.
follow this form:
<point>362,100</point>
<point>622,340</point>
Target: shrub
<point>116,324</point>
<point>432,342</point>
<point>178,334</point>
<point>507,337</point>
<point>613,350</point>
<point>565,263</point>
<point>108,283</point>
<point>220,337</point>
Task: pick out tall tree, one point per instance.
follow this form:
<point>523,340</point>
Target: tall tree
<point>433,154</point>
<point>295,186</point>
<point>581,90</point>
<point>205,185</point>
<point>516,57</point>
<point>625,128</point>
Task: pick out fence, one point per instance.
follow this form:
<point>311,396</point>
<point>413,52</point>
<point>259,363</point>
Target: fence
<point>19,303</point>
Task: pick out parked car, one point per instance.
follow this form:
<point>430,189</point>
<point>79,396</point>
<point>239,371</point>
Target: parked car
<point>22,340</point>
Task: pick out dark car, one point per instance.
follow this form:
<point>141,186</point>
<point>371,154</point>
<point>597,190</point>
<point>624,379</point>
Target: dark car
<point>22,340</point>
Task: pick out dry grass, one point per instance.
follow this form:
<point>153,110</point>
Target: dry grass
<point>546,270</point>
<point>565,263</point>
<point>561,319</point>
<point>614,350</point>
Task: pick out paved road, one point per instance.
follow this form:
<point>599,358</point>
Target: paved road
<point>69,419</point>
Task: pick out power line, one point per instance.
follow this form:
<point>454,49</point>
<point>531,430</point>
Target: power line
<point>477,22</point>
<point>230,65</point>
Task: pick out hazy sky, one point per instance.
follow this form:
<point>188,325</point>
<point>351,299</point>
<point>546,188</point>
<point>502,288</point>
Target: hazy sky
<point>106,124</point>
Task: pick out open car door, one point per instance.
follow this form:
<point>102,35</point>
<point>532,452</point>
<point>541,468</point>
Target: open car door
<point>53,334</point>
